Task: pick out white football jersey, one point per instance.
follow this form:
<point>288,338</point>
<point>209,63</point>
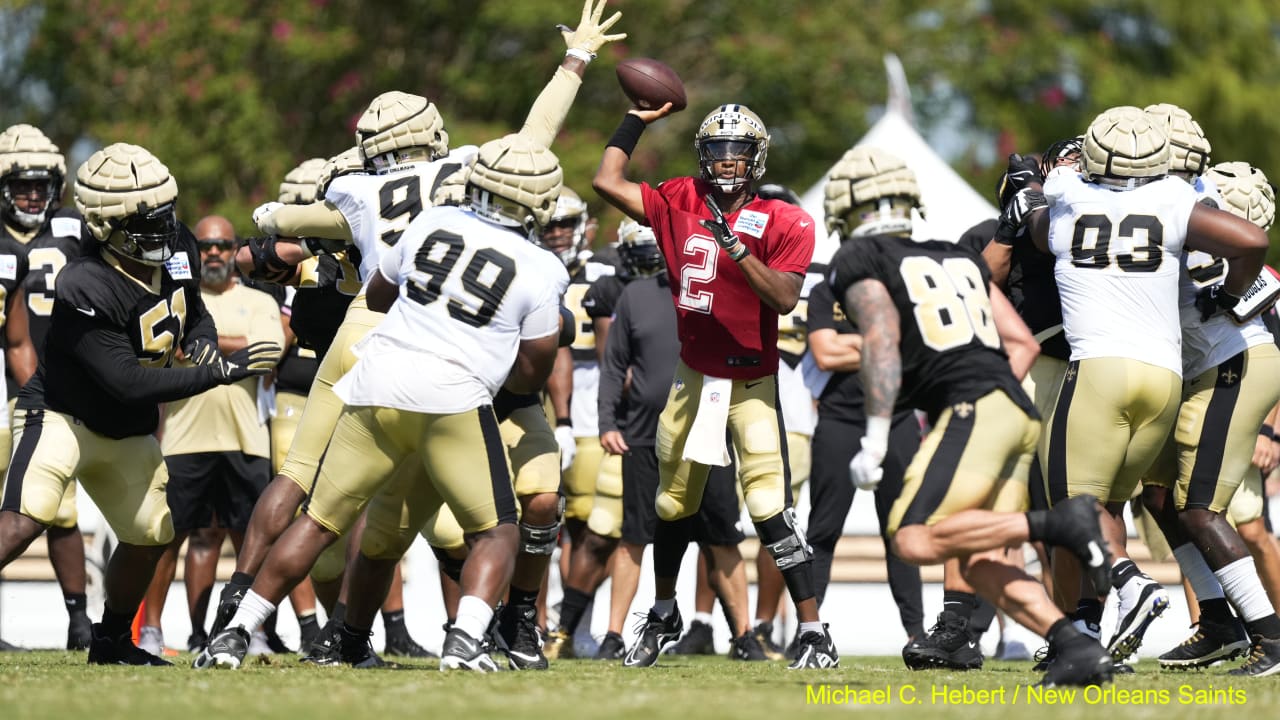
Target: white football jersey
<point>379,208</point>
<point>1118,257</point>
<point>470,291</point>
<point>1209,344</point>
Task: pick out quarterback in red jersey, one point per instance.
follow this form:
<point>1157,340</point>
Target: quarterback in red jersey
<point>734,262</point>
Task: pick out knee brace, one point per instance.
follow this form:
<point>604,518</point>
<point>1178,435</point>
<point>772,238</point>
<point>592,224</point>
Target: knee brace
<point>782,537</point>
<point>451,566</point>
<point>538,539</point>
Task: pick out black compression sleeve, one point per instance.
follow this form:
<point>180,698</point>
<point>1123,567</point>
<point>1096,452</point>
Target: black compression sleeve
<point>109,358</point>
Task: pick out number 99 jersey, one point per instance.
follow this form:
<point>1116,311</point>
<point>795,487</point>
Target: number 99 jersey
<point>1118,254</point>
<point>470,291</point>
<point>949,344</point>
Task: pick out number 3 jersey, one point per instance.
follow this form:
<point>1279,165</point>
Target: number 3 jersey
<point>725,329</point>
<point>1118,254</point>
<point>470,291</point>
<point>949,345</point>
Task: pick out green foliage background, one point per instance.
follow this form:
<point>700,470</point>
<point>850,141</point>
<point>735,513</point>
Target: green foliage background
<point>233,94</point>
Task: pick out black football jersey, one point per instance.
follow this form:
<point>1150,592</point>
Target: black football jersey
<point>576,299</point>
<point>321,301</point>
<point>602,296</point>
<point>109,334</point>
<point>949,344</point>
<point>13,268</point>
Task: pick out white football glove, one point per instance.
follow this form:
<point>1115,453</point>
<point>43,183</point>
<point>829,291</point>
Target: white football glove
<point>262,216</point>
<point>568,446</point>
<point>864,468</point>
<point>589,36</point>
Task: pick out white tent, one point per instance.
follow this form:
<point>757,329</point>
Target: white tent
<point>952,206</point>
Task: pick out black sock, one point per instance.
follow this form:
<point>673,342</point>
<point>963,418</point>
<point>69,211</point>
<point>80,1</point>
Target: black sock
<point>1088,610</point>
<point>521,598</point>
<point>77,603</point>
<point>1217,610</point>
<point>670,541</point>
<point>393,622</point>
<point>1122,572</point>
<point>339,612</point>
<point>240,580</point>
<point>572,609</point>
<point>308,624</point>
<point>362,633</point>
<point>959,603</point>
<point>115,624</point>
<point>823,557</point>
<point>1267,627</point>
<point>983,613</point>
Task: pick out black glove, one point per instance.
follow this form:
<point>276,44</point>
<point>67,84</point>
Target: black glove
<point>725,237</point>
<point>1019,175</point>
<point>1015,213</point>
<point>200,351</point>
<point>1212,300</point>
<point>257,359</point>
<point>267,265</point>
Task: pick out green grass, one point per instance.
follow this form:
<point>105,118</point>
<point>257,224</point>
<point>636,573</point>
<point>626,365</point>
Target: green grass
<point>59,685</point>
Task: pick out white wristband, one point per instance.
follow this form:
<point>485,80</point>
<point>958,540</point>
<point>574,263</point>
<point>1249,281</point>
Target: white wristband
<point>877,434</point>
<point>583,55</point>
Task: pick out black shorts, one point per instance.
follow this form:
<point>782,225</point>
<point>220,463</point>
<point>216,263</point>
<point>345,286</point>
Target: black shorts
<point>718,521</point>
<point>209,485</point>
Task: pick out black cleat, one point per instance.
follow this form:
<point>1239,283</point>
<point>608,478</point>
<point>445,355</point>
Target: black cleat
<point>747,648</point>
<point>356,649</point>
<point>1073,524</point>
<point>463,652</point>
<point>764,635</point>
<point>227,649</point>
<point>1210,643</point>
<point>1263,660</point>
<point>326,648</point>
<point>1151,600</point>
<point>816,650</point>
<point>105,650</point>
<point>1082,661</point>
<point>79,632</point>
<point>612,647</point>
<point>197,640</point>
<point>948,644</point>
<point>228,603</point>
<point>793,648</point>
<point>274,643</point>
<point>521,638</point>
<point>699,640</point>
<point>1044,657</point>
<point>402,644</point>
<point>655,634</point>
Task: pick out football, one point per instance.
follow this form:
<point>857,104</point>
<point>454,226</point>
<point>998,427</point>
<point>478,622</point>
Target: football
<point>650,84</point>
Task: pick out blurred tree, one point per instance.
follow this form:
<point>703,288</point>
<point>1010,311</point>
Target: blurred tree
<point>232,94</point>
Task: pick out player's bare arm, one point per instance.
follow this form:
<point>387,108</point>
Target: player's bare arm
<point>1019,344</point>
<point>20,353</point>
<point>998,257</point>
<point>836,352</point>
<point>778,290</point>
<point>533,364</point>
<point>874,313</point>
<point>560,383</point>
<point>1241,243</point>
<point>611,177</point>
<point>381,293</point>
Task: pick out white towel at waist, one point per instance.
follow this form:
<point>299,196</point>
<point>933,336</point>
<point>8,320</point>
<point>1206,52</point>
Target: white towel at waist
<point>706,441</point>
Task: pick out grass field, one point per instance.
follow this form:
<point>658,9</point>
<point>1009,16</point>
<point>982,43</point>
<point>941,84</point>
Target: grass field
<point>60,685</point>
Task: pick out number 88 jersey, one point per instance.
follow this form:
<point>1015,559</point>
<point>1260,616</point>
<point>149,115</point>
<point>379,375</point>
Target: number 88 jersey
<point>949,344</point>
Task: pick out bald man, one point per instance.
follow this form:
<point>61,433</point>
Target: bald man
<point>216,445</point>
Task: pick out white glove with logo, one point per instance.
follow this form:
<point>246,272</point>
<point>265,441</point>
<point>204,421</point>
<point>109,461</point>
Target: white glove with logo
<point>864,468</point>
<point>568,446</point>
<point>262,216</point>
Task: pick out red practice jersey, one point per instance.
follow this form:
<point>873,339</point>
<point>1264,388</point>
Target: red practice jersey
<point>725,329</point>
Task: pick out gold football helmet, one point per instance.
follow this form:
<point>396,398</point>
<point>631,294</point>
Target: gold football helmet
<point>870,192</point>
<point>1189,148</point>
<point>515,182</point>
<point>1125,145</point>
<point>398,129</point>
<point>299,186</point>
<point>30,162</point>
<point>127,198</point>
<point>727,133</point>
<point>1246,191</point>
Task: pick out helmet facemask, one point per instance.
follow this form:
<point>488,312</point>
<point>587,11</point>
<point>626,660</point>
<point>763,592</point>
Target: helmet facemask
<point>147,236</point>
<point>639,251</point>
<point>44,183</point>
<point>712,153</point>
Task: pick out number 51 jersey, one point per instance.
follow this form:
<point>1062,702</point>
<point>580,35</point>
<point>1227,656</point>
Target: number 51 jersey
<point>470,291</point>
<point>949,345</point>
<point>1118,255</point>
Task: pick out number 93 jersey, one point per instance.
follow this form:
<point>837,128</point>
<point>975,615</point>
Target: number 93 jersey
<point>378,208</point>
<point>949,345</point>
<point>470,291</point>
<point>1118,254</point>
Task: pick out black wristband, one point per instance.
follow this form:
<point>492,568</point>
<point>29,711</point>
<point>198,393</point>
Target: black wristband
<point>1268,431</point>
<point>627,134</point>
<point>564,422</point>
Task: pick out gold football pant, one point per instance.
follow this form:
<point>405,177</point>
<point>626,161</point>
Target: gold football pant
<point>67,516</point>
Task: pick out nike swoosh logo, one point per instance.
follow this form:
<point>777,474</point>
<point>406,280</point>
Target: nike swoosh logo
<point>90,312</point>
<point>522,656</point>
<point>1096,557</point>
<point>752,384</point>
<point>805,224</point>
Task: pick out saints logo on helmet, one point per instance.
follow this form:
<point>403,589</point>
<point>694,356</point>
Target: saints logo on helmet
<point>299,185</point>
<point>515,182</point>
<point>1125,146</point>
<point>638,249</point>
<point>127,199</point>
<point>731,132</point>
<point>566,233</point>
<point>1246,191</point>
<point>870,192</point>
<point>1189,148</point>
<point>399,129</point>
<point>31,168</point>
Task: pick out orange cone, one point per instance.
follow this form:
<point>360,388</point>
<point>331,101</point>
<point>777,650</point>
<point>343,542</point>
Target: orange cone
<point>136,629</point>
